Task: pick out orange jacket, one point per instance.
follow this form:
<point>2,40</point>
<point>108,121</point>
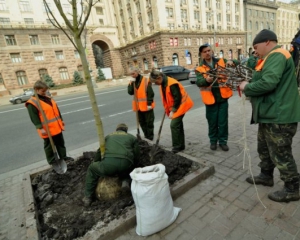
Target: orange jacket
<point>186,102</point>
<point>141,97</point>
<point>206,93</point>
<point>55,123</point>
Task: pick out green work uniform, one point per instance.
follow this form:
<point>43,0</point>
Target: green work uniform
<point>176,125</point>
<point>252,61</point>
<point>217,113</point>
<point>146,119</point>
<point>275,100</point>
<point>58,139</point>
<point>121,154</point>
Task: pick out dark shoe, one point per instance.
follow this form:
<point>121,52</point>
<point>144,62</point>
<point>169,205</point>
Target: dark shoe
<point>224,147</point>
<point>176,150</point>
<point>285,195</point>
<point>213,146</point>
<point>87,201</point>
<point>263,179</point>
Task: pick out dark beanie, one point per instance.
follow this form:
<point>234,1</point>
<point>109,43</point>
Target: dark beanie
<point>122,127</point>
<point>263,36</point>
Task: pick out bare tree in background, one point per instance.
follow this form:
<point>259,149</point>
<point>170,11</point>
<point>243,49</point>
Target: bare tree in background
<point>75,27</point>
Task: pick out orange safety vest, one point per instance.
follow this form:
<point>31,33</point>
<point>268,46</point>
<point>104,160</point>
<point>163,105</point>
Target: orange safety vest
<point>141,97</point>
<point>261,62</point>
<point>205,92</point>
<point>52,114</point>
<point>186,102</point>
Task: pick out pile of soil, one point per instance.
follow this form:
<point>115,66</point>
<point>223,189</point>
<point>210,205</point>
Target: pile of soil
<point>61,213</point>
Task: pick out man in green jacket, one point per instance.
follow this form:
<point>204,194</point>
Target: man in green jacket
<point>122,152</point>
<point>275,107</point>
<point>252,61</point>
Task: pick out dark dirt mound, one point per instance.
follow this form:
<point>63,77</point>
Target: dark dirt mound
<point>61,213</point>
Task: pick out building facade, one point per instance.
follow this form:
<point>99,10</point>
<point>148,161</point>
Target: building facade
<point>143,33</point>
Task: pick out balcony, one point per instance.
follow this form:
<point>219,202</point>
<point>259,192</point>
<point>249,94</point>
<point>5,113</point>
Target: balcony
<point>23,25</point>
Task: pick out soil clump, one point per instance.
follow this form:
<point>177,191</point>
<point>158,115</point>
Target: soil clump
<point>61,214</point>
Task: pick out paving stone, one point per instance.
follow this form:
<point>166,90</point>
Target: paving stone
<point>238,233</point>
<point>284,236</point>
<point>230,210</point>
<point>271,232</point>
<point>205,233</point>
<point>174,234</point>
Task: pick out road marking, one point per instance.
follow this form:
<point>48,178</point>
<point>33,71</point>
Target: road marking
<point>113,115</point>
<point>78,110</point>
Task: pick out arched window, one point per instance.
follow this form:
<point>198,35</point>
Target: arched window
<point>188,57</point>
<point>42,73</point>
<point>155,62</point>
<point>63,72</point>
<point>146,67</point>
<point>175,59</point>
<point>22,78</point>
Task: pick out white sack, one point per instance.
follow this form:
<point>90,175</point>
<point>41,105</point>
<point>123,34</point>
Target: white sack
<point>152,198</point>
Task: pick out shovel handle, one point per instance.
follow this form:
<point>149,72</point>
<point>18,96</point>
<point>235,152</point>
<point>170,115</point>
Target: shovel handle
<point>136,112</point>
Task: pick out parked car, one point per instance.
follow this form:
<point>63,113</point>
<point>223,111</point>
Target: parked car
<point>192,76</point>
<point>24,97</point>
<point>177,72</point>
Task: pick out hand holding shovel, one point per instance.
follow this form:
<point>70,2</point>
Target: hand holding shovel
<point>154,147</point>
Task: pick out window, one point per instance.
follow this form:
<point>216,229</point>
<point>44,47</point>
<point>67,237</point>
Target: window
<point>28,20</point>
<point>99,10</point>
<point>64,75</point>
<point>76,53</point>
<point>34,39</point>
<point>10,40</point>
<point>22,78</point>
<point>1,79</point>
<point>197,15</point>
<point>101,21</point>
<point>59,54</point>
<point>4,20</point>
<point>171,26</point>
<point>55,39</point>
<point>169,12</point>
<point>38,56</point>
<point>42,73</point>
<point>183,13</point>
<point>25,6</point>
<point>3,5</point>
<point>15,57</point>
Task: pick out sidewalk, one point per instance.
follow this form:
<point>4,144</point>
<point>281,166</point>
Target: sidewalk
<point>222,207</point>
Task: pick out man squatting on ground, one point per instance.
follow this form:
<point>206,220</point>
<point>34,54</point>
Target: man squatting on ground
<point>276,108</point>
<point>121,154</point>
<point>143,101</point>
<point>55,122</point>
<point>176,103</point>
<point>214,96</point>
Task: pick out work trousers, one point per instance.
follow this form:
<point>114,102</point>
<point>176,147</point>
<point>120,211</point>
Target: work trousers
<point>217,118</point>
<point>146,120</point>
<point>59,143</point>
<point>106,167</point>
<point>274,146</point>
<point>177,132</point>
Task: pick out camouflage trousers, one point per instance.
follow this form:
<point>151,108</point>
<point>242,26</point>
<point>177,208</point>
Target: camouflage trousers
<point>274,146</point>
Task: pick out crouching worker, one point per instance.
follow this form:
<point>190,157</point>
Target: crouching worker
<point>121,153</point>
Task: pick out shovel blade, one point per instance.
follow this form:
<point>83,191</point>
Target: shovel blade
<point>60,166</point>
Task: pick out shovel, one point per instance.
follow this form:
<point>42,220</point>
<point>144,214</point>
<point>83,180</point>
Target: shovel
<point>138,135</point>
<point>59,165</point>
<point>154,147</point>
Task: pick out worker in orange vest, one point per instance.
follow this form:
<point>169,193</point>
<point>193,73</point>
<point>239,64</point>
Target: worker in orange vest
<point>143,101</point>
<point>215,97</point>
<point>176,102</point>
<point>55,122</point>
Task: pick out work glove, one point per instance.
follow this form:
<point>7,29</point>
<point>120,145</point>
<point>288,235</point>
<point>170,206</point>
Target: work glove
<point>149,107</point>
<point>171,115</point>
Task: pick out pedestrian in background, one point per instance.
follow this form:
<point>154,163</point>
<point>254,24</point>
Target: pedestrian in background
<point>121,154</point>
<point>55,122</point>
<point>214,96</point>
<point>143,101</point>
<point>252,61</point>
<point>275,107</point>
<point>176,103</point>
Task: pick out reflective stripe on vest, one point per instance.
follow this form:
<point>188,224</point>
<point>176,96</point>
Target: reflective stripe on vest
<point>52,114</point>
<point>141,97</point>
<point>205,92</point>
<point>186,101</point>
<point>261,63</point>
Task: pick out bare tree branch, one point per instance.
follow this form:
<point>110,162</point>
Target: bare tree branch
<point>90,3</point>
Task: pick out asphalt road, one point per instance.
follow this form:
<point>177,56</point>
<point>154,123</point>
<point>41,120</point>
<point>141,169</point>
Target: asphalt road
<point>21,146</point>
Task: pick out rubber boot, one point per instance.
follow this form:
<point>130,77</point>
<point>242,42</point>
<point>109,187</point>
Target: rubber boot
<point>290,192</point>
<point>265,178</point>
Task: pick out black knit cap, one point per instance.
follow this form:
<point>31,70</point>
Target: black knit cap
<point>203,46</point>
<point>264,36</point>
